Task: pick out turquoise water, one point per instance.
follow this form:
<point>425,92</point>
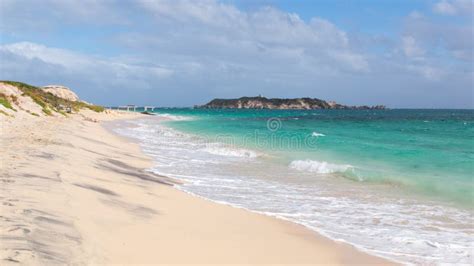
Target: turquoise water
<point>395,183</point>
<point>424,151</point>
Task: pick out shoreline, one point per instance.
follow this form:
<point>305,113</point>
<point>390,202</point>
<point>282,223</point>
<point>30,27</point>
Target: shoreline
<point>383,219</point>
<point>110,125</point>
<point>95,202</point>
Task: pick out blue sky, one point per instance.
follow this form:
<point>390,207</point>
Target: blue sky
<point>401,53</point>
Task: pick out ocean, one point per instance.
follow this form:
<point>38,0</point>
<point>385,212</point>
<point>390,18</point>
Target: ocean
<point>395,183</point>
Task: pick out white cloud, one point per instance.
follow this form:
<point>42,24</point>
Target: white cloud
<point>430,38</point>
<point>463,54</point>
<point>22,17</point>
<point>209,12</point>
<point>352,61</point>
<point>221,32</point>
<point>199,49</point>
<point>65,63</point>
<point>411,48</point>
<point>430,73</point>
<point>444,7</point>
<point>49,55</point>
<point>454,7</point>
<point>80,62</point>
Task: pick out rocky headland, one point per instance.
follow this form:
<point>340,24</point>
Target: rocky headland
<point>277,103</point>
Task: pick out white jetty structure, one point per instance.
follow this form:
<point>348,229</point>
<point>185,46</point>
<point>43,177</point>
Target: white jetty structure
<point>128,107</point>
<point>151,108</point>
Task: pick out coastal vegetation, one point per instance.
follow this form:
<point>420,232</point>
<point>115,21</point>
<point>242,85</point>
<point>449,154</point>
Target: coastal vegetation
<point>5,101</point>
<point>48,102</point>
<point>4,113</point>
<point>278,103</point>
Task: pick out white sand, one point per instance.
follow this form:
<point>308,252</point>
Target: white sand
<point>73,193</point>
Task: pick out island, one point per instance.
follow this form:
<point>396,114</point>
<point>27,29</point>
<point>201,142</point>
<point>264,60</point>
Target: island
<point>260,102</point>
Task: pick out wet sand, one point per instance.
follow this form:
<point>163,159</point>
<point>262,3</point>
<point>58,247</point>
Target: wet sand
<point>73,193</point>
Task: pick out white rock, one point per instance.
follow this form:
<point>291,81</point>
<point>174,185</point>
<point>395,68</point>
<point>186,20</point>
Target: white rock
<point>9,90</point>
<point>62,92</point>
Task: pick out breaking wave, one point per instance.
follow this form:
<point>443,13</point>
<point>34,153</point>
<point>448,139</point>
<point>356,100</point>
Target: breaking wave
<point>231,152</point>
<point>319,167</point>
<point>317,134</point>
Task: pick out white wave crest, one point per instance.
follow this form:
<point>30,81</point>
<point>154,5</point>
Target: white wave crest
<point>317,134</point>
<point>225,151</point>
<point>319,167</point>
<point>174,117</point>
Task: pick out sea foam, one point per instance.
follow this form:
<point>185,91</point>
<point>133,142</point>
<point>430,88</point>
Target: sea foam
<point>317,134</point>
<point>319,167</point>
<point>174,117</point>
<point>372,219</point>
<point>231,152</point>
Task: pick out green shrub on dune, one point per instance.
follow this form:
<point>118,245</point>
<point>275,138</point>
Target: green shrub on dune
<point>5,102</point>
<point>48,101</point>
<point>95,108</point>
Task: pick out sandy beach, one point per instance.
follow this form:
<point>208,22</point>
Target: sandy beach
<point>74,193</point>
<point>236,132</point>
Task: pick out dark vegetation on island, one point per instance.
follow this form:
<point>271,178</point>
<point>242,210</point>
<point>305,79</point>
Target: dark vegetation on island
<point>276,103</point>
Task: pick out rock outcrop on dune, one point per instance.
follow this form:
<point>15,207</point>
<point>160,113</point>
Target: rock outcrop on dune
<point>61,92</point>
<point>275,103</point>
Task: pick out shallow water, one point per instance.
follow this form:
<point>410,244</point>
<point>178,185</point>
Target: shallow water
<point>396,183</point>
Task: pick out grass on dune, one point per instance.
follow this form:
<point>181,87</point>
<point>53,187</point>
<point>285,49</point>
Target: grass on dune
<point>49,102</point>
<point>5,101</point>
<point>4,113</point>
